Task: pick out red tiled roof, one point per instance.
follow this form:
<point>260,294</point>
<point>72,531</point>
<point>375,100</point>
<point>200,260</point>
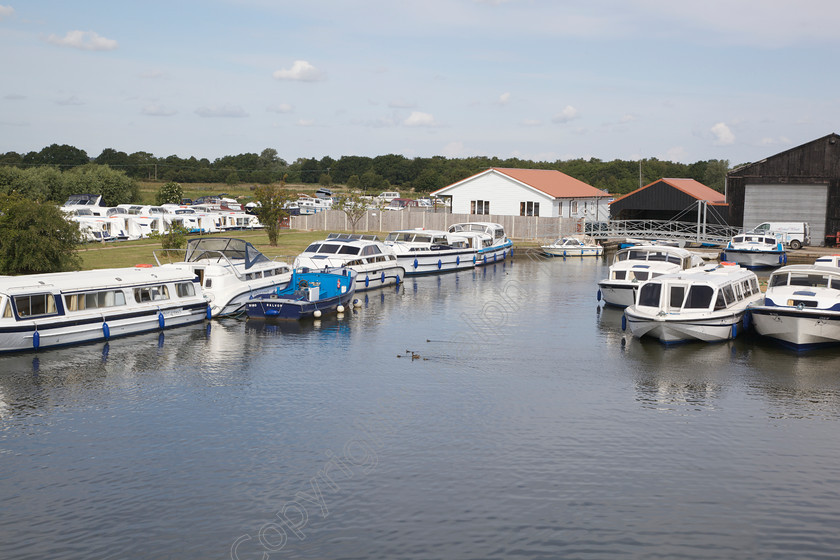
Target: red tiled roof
<point>690,187</point>
<point>551,182</point>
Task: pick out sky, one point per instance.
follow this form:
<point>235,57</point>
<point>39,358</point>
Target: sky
<point>543,80</point>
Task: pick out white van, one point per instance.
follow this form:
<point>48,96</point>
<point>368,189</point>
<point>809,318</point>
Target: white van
<point>795,234</point>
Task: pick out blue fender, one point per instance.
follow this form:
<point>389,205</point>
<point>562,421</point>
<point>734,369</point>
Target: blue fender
<point>367,281</point>
<point>36,340</point>
<point>161,320</point>
<point>440,264</point>
<point>209,312</point>
<point>458,260</point>
<point>624,322</point>
<point>734,330</point>
<point>473,259</point>
<point>598,295</point>
<point>106,331</point>
<point>416,264</point>
<point>746,320</point>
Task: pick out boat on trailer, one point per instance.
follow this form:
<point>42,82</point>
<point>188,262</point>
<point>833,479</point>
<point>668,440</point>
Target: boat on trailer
<point>66,308</point>
<point>636,264</point>
<point>754,250</point>
<point>801,307</point>
<point>423,251</point>
<point>490,239</point>
<point>309,294</point>
<point>230,271</point>
<point>374,262</point>
<point>702,303</point>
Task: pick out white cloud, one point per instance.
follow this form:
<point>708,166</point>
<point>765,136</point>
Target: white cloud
<point>504,99</point>
<point>677,153</point>
<point>568,113</point>
<point>280,108</point>
<point>84,40</point>
<point>300,71</point>
<point>417,118</point>
<point>627,119</point>
<point>454,149</point>
<point>225,111</point>
<point>723,136</point>
<point>531,122</point>
<point>306,122</point>
<point>6,11</point>
<point>158,111</point>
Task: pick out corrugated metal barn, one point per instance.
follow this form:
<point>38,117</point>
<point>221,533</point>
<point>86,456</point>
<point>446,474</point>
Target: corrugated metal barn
<point>669,199</point>
<point>798,185</point>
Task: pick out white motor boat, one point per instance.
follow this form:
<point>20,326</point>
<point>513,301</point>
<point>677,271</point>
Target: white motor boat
<point>230,271</point>
<point>374,262</point>
<point>61,309</point>
<point>423,251</point>
<point>702,303</point>
<point>801,307</point>
<point>633,265</point>
<point>573,247</point>
<point>492,243</point>
<point>754,250</point>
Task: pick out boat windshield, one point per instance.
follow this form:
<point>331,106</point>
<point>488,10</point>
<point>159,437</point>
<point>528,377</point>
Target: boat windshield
<point>230,248</point>
<point>699,297</point>
<point>399,236</point>
<point>649,294</point>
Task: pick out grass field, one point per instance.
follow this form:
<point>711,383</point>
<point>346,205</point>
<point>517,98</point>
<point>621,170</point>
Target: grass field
<point>290,243</point>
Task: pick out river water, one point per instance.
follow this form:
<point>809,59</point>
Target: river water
<point>496,413</point>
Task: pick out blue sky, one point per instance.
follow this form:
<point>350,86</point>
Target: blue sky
<point>536,79</point>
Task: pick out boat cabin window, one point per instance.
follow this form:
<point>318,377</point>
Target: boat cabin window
<point>649,294</point>
<point>676,297</point>
<point>699,297</point>
<point>313,248</point>
<point>638,255</point>
<point>94,300</point>
<point>810,280</point>
<point>674,260</point>
<point>619,275</point>
<point>7,310</point>
<point>778,280</point>
<point>329,248</point>
<point>656,256</point>
<point>738,293</point>
<point>738,239</point>
<point>729,294</point>
<point>754,284</point>
<point>185,289</point>
<point>720,302</point>
<point>151,293</point>
<point>422,239</point>
<point>621,256</point>
<point>35,305</point>
<point>770,240</point>
<point>349,250</point>
<point>641,276</point>
<point>370,250</point>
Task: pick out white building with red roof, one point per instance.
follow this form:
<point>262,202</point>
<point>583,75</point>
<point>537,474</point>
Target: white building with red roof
<point>526,192</point>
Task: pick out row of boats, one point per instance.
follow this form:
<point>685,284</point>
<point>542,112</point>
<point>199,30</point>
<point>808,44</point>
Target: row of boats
<point>670,294</point>
<point>223,276</point>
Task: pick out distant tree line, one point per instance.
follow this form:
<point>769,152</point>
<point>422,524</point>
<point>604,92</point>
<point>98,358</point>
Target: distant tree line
<point>372,174</point>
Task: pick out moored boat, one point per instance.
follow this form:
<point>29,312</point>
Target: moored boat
<point>490,240</point>
<point>702,303</point>
<point>309,294</point>
<point>633,265</point>
<point>753,250</point>
<point>374,262</point>
<point>801,307</point>
<point>66,308</point>
<point>422,251</point>
<point>573,247</point>
<point>230,271</point>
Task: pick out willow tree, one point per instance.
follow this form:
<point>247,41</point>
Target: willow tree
<point>271,208</point>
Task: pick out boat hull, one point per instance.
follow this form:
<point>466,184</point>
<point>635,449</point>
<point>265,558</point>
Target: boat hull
<point>800,329</point>
<point>337,289</point>
<point>754,259</point>
<point>495,253</point>
<point>378,277</point>
<point>67,331</point>
<point>573,252</point>
<point>618,294</point>
<point>432,262</point>
<point>670,330</point>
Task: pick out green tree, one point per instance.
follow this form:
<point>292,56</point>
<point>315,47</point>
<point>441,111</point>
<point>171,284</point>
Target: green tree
<point>170,193</point>
<point>715,175</point>
<point>271,208</point>
<point>354,207</point>
<point>63,156</point>
<point>325,180</point>
<point>36,237</point>
<point>114,186</point>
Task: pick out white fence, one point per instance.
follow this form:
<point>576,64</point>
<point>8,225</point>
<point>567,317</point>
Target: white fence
<point>519,227</point>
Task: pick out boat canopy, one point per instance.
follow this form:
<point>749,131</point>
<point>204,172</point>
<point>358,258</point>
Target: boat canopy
<point>230,248</point>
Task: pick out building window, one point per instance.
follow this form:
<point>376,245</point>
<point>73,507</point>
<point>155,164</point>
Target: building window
<point>479,207</point>
<point>573,207</point>
<point>529,208</point>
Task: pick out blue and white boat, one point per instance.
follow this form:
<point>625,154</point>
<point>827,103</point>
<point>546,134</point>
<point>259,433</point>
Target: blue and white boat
<point>490,239</point>
<point>309,294</point>
<point>49,310</point>
<point>423,251</point>
<point>754,250</point>
<point>801,307</point>
<point>573,247</point>
<point>374,262</point>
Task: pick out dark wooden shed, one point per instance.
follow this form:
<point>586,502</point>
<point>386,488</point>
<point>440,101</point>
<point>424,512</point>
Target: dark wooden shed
<point>799,184</point>
<point>668,199</point>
